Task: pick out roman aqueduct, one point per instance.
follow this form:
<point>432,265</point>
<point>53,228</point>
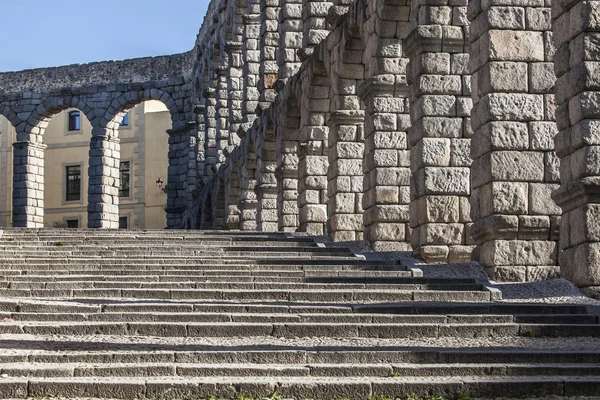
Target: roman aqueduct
<point>458,129</point>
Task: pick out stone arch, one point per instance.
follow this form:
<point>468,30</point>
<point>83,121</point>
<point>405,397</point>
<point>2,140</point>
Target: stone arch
<point>28,159</point>
<point>105,155</point>
<point>10,115</point>
<point>50,106</point>
<point>120,105</point>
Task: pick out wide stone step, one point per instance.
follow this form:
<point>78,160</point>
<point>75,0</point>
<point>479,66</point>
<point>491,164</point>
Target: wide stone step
<point>104,354</point>
<point>293,330</point>
<point>174,252</point>
<point>277,258</point>
<point>134,268</point>
<point>305,295</point>
<point>184,315</point>
<point>342,276</point>
<point>473,308</point>
<point>147,262</point>
<point>107,242</point>
<point>51,370</point>
<point>282,277</point>
<point>231,284</point>
<point>296,388</point>
<point>408,308</point>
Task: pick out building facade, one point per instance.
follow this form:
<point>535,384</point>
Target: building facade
<point>143,162</point>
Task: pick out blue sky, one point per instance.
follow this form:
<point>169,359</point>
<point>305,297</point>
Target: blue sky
<point>44,33</point>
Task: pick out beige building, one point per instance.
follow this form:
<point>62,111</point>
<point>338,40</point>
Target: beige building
<point>144,162</point>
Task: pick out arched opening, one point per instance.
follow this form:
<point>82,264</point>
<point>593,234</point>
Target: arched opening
<point>66,164</point>
<point>143,164</point>
<point>66,139</point>
<point>7,138</point>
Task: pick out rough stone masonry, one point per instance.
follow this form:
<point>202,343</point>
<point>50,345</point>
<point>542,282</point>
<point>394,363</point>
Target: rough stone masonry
<point>463,130</point>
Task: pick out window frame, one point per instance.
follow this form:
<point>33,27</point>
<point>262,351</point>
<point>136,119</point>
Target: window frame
<point>127,218</point>
<point>128,126</point>
<point>130,195</point>
<point>65,188</point>
<point>69,130</point>
<point>67,219</point>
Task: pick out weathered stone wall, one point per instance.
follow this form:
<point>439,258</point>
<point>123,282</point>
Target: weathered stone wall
<point>137,70</point>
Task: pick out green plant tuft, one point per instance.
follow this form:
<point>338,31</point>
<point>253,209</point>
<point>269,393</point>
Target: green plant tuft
<point>463,395</point>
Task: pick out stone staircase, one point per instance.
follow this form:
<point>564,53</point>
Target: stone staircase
<point>211,315</point>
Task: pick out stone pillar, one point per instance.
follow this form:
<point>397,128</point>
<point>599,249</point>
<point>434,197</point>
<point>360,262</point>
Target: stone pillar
<point>219,204</point>
<point>232,195</point>
<point>200,155</point>
<point>210,126</point>
<point>222,113</point>
<point>267,204</point>
<point>313,163</point>
<point>514,169</point>
<point>248,199</point>
<point>312,185</point>
<point>269,41</point>
<point>576,36</point>
<point>288,149</point>
<point>287,196</point>
<point>251,66</point>
<point>191,218</point>
<point>386,165</point>
<point>266,187</point>
<point>345,175</point>
<point>235,87</point>
<point>314,21</point>
<point>103,181</point>
<point>439,138</point>
<point>290,38</point>
<point>177,176</point>
<point>28,185</point>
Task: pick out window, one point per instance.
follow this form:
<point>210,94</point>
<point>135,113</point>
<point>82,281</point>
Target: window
<point>124,175</point>
<point>123,222</point>
<point>74,121</point>
<point>125,121</point>
<point>72,223</point>
<point>73,183</point>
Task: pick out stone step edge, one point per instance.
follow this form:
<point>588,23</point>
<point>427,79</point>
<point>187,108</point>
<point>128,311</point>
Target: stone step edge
<point>342,370</point>
<point>296,388</point>
<point>312,355</point>
<point>324,317</point>
<point>409,308</point>
<point>297,330</point>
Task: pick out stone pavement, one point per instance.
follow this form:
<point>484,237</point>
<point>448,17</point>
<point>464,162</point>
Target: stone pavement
<point>194,314</point>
